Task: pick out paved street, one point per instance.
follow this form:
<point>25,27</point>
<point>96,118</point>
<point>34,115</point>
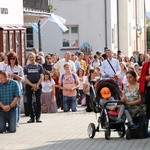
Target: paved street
<point>65,131</point>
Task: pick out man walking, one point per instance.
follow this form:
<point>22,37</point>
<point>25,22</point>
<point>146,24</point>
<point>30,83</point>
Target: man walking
<point>33,73</point>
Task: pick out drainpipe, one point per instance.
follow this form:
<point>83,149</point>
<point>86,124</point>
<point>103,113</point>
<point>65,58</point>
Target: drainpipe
<point>39,36</point>
<point>145,28</point>
<point>136,22</point>
<point>118,37</point>
<point>105,6</point>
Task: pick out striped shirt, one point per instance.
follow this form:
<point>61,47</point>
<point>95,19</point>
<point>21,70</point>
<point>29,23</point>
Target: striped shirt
<point>8,91</point>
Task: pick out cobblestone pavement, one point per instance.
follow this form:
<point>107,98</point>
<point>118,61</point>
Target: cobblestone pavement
<point>65,131</point>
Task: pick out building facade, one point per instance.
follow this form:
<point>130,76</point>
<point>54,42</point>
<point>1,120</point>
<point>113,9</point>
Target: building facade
<point>132,27</point>
<point>87,21</point>
<point>12,34</point>
<point>119,25</point>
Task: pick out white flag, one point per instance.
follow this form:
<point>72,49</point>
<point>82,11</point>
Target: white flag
<point>59,21</point>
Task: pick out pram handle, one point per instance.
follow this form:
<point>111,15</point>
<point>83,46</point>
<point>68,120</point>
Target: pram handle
<point>116,101</point>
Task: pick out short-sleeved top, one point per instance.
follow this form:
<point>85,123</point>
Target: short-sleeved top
<point>8,91</point>
<point>132,96</point>
<point>33,72</point>
<point>85,81</point>
<point>60,66</point>
<point>69,82</point>
<point>17,70</point>
<point>47,85</point>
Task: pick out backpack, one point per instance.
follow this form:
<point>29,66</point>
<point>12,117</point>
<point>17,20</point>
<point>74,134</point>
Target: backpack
<point>63,75</point>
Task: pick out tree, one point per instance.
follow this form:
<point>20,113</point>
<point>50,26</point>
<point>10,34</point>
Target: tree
<point>148,37</point>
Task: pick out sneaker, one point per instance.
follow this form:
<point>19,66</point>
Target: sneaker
<point>119,120</point>
<point>18,125</point>
<point>31,121</point>
<point>38,120</point>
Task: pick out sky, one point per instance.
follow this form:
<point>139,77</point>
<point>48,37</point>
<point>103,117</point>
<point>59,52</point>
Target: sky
<point>147,5</point>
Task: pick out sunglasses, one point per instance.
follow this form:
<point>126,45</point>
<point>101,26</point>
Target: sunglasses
<point>48,58</point>
<point>38,59</point>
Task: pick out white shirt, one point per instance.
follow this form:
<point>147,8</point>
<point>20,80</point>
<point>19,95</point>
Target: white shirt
<point>47,86</point>
<point>3,66</point>
<point>106,68</point>
<point>81,79</point>
<point>85,81</point>
<point>17,70</point>
<point>60,65</point>
<point>96,64</point>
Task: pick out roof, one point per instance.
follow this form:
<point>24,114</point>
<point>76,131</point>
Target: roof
<point>31,15</point>
<point>9,27</point>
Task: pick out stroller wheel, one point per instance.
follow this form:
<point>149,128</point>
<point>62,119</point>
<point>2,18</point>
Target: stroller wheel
<point>128,134</point>
<point>91,130</point>
<point>121,133</point>
<point>107,134</point>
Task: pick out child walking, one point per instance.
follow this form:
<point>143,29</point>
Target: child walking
<point>48,94</point>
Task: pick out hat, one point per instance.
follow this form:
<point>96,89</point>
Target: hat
<point>105,92</point>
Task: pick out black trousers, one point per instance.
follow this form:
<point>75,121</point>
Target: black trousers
<point>34,106</point>
<point>147,99</point>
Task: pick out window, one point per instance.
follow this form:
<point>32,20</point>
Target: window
<point>70,38</point>
<point>29,34</point>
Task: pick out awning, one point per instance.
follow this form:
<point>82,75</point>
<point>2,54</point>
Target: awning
<point>9,27</point>
<point>34,15</point>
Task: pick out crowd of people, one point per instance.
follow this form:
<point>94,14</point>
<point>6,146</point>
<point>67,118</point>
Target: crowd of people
<point>65,82</point>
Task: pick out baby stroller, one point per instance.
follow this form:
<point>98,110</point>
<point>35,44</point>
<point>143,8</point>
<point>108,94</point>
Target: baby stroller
<point>107,119</point>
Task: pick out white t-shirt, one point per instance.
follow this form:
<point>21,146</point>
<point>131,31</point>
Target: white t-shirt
<point>81,79</point>
<point>60,66</point>
<point>96,64</point>
<point>47,85</point>
<point>16,70</point>
<point>3,66</point>
<point>87,83</point>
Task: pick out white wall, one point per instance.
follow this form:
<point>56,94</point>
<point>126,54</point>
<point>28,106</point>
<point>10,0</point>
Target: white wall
<point>15,12</point>
<point>89,15</point>
<point>128,16</point>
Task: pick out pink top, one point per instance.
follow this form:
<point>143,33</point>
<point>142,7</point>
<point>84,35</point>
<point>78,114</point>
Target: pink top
<point>69,83</point>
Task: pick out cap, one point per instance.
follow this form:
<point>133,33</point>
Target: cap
<point>105,92</point>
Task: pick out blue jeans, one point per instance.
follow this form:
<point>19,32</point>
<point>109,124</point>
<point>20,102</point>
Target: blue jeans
<point>69,102</point>
<point>18,109</point>
<point>10,118</point>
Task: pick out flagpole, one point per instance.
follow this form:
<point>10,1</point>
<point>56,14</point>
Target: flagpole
<point>39,36</point>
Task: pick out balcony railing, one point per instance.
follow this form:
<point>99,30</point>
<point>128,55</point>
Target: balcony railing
<point>38,5</point>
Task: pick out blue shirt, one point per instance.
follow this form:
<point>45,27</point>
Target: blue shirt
<point>33,72</point>
<point>8,91</point>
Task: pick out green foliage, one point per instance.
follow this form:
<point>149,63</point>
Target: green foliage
<point>148,38</point>
<point>51,9</point>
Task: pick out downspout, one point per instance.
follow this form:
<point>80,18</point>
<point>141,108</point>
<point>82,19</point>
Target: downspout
<point>39,35</point>
<point>145,28</point>
<point>105,6</point>
<point>136,22</point>
<point>118,37</point>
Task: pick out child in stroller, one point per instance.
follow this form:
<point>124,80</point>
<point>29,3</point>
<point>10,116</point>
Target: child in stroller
<point>113,108</point>
<point>109,120</point>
